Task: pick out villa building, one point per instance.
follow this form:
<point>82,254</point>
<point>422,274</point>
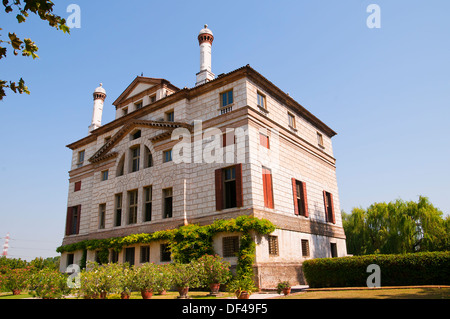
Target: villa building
<point>250,149</point>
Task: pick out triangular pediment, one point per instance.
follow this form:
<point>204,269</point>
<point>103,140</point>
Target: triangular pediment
<point>106,150</point>
<point>139,84</point>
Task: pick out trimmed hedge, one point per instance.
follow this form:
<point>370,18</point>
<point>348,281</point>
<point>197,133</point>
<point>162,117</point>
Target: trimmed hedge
<point>429,268</point>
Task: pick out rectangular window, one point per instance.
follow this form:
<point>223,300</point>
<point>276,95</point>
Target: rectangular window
<point>118,212</point>
<point>228,187</point>
<point>305,248</point>
<point>135,135</point>
<point>333,247</point>
<point>145,254</point>
<point>153,98</point>
<point>320,139</point>
<point>138,105</point>
<point>147,204</point>
<point>104,175</point>
<point>167,197</point>
<point>114,257</point>
<point>77,186</point>
<point>69,259</point>
<point>125,111</point>
<point>261,100</point>
<point>167,156</point>
<point>226,98</point>
<point>267,187</point>
<point>170,116</point>
<point>80,158</point>
<point>264,140</point>
<point>329,207</point>
<point>101,216</point>
<point>132,207</point>
<point>300,198</point>
<point>291,119</point>
<point>273,245</point>
<point>129,256</point>
<point>135,154</point>
<point>164,252</point>
<point>230,246</point>
<point>73,220</point>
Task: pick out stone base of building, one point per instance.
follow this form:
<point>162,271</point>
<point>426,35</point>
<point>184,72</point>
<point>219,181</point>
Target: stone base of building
<point>268,275</point>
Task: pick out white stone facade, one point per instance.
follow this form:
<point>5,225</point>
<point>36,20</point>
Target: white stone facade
<point>293,153</point>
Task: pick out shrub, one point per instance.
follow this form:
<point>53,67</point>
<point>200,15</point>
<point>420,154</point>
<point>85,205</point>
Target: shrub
<point>240,284</point>
<point>100,280</point>
<point>428,268</point>
<point>146,277</point>
<point>214,269</point>
<point>15,280</point>
<point>49,284</point>
<point>186,275</point>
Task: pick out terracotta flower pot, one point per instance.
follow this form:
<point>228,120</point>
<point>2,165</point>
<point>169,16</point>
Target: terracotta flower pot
<point>214,288</point>
<point>286,291</point>
<point>124,295</point>
<point>146,294</point>
<point>16,292</point>
<point>183,291</point>
<point>243,295</point>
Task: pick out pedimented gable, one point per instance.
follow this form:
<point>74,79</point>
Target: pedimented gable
<point>105,151</point>
<point>142,84</point>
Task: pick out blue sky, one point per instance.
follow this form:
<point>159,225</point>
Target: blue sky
<point>386,91</point>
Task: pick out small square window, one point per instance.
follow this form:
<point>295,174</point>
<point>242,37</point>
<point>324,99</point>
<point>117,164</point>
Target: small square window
<point>320,139</point>
<point>77,186</point>
<point>104,175</point>
<point>273,245</point>
<point>291,118</point>
<point>153,98</point>
<point>230,246</point>
<point>125,111</point>
<point>226,98</point>
<point>261,100</point>
<point>167,156</point>
<point>135,135</point>
<point>169,116</point>
<point>80,158</point>
<point>305,248</point>
<point>138,105</point>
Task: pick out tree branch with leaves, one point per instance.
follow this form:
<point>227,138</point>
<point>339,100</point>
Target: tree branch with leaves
<point>22,9</point>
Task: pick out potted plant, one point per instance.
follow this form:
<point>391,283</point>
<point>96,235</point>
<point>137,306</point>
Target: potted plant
<point>186,276</point>
<point>98,281</point>
<point>125,281</point>
<point>145,279</point>
<point>15,280</point>
<point>285,287</point>
<point>163,279</point>
<point>215,271</point>
<point>242,287</point>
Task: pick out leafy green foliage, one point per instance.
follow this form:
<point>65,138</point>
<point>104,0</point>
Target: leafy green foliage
<point>397,227</point>
<point>42,8</point>
<point>428,268</point>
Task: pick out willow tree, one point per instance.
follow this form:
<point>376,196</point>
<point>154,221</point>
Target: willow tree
<point>397,227</point>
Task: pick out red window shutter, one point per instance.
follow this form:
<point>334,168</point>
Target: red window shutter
<point>264,140</point>
<point>267,188</point>
<point>78,219</point>
<point>77,186</point>
<point>68,220</point>
<point>219,189</point>
<point>325,203</point>
<point>294,193</point>
<point>305,200</point>
<point>333,218</point>
<point>239,192</point>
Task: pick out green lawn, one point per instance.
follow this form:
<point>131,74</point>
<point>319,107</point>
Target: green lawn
<point>379,293</point>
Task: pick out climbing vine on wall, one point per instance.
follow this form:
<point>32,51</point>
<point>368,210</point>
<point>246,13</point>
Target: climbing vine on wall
<point>191,241</point>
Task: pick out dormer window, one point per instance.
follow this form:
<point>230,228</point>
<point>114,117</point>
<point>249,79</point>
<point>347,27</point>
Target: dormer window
<point>153,98</point>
